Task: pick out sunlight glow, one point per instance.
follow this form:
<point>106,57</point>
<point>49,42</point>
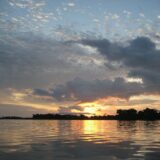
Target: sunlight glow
<point>90,127</point>
<point>90,110</point>
<point>137,80</point>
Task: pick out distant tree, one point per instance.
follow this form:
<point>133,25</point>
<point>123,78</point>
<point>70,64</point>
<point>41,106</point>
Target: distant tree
<point>148,114</point>
<point>130,114</point>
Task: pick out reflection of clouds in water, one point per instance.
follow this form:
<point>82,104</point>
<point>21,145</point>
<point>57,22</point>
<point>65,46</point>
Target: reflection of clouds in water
<point>81,150</point>
<point>80,140</point>
<point>77,150</point>
<point>90,150</point>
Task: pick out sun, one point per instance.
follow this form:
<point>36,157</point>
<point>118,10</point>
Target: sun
<point>90,110</point>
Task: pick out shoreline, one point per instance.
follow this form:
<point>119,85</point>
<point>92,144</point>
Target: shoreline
<point>122,115</point>
<point>80,119</point>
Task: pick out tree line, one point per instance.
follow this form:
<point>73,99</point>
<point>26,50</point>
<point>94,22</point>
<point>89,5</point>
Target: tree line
<point>121,114</point>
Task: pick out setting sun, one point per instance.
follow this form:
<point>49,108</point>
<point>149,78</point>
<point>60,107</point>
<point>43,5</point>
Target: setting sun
<point>90,110</point>
<point>91,107</point>
<point>79,79</point>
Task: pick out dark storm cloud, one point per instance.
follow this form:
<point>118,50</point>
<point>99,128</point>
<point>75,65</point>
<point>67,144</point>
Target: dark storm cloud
<point>140,57</point>
<point>41,92</point>
<point>150,78</point>
<point>28,59</point>
<point>140,53</point>
<point>79,89</point>
<point>91,90</point>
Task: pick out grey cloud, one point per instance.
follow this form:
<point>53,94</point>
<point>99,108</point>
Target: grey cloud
<point>76,108</point>
<point>65,110</point>
<point>141,52</point>
<point>82,90</point>
<point>41,92</point>
<point>22,110</point>
<point>140,57</point>
<point>150,78</point>
<point>28,60</point>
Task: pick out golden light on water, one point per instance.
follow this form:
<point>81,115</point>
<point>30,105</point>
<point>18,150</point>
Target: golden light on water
<point>90,127</point>
<point>94,131</point>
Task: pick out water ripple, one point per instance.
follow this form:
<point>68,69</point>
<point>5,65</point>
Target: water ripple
<point>58,140</point>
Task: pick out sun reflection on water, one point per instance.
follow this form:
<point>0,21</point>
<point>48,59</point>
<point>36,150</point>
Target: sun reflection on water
<point>90,127</point>
<point>74,136</point>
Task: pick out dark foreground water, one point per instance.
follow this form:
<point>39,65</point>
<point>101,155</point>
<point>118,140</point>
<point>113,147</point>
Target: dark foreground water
<point>79,140</point>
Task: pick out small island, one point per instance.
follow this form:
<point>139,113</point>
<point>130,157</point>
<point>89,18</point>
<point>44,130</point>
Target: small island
<point>128,114</point>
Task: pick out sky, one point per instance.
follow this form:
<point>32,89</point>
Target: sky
<point>79,56</point>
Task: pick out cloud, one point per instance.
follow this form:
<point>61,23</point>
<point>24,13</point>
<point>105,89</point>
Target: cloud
<point>71,4</point>
<point>82,90</point>
<point>127,13</point>
<point>140,57</point>
<point>114,16</point>
<point>140,52</point>
<point>29,60</point>
<point>34,18</point>
<point>42,16</point>
<point>27,57</point>
<point>27,4</point>
<point>20,110</point>
<point>70,109</point>
<point>141,60</point>
<point>41,92</point>
<point>141,15</point>
<point>33,61</point>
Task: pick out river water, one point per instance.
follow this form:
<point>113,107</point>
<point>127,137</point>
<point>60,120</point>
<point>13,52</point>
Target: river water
<point>79,140</point>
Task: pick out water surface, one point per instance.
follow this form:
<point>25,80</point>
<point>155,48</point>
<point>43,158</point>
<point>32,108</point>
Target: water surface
<point>79,140</point>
